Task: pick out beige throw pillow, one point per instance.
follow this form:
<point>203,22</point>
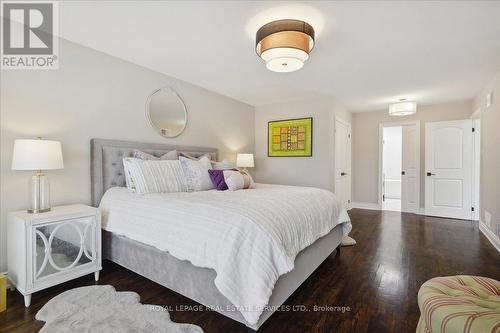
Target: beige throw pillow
<point>238,180</point>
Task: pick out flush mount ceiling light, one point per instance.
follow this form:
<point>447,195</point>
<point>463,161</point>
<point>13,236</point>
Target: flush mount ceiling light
<point>402,108</point>
<point>284,44</point>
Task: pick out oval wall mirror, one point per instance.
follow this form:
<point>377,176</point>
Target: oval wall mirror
<point>166,112</point>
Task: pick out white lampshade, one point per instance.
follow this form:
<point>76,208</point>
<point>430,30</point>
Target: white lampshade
<point>402,108</point>
<point>244,161</point>
<point>284,59</point>
<point>37,155</point>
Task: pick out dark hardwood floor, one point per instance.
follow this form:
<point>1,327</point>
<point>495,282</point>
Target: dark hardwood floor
<point>375,282</point>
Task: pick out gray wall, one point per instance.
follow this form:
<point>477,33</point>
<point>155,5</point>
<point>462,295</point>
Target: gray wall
<point>490,152</point>
<point>305,171</point>
<point>365,139</point>
<point>97,95</point>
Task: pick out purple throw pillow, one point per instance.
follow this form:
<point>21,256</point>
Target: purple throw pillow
<point>217,177</point>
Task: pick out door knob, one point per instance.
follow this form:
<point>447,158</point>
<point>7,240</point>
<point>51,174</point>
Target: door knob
<point>343,174</point>
<point>430,174</point>
<point>403,173</point>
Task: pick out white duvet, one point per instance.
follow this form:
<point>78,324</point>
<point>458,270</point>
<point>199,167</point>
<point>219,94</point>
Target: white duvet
<point>249,237</point>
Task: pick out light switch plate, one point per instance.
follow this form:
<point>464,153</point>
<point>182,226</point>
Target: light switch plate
<point>487,218</point>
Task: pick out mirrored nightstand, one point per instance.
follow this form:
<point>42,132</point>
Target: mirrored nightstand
<point>50,248</point>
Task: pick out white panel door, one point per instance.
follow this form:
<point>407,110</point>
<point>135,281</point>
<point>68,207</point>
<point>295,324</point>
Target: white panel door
<point>448,168</point>
<point>410,168</point>
<point>343,162</point>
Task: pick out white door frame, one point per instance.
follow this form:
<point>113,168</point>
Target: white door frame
<point>476,164</point>
<point>381,159</point>
<point>348,124</point>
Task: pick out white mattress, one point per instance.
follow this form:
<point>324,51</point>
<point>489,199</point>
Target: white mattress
<point>249,237</point>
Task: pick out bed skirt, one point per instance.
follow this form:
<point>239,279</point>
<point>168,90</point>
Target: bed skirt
<point>198,284</point>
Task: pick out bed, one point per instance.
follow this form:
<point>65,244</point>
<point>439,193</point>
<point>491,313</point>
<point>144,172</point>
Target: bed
<point>138,237</point>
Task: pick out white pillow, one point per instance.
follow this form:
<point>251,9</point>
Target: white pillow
<point>170,155</point>
<point>155,176</point>
<point>237,180</point>
<point>196,173</point>
<point>128,178</point>
<point>207,155</point>
<point>223,165</point>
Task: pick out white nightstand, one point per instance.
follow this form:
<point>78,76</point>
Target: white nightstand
<point>50,248</point>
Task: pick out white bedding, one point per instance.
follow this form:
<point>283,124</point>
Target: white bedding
<point>249,237</point>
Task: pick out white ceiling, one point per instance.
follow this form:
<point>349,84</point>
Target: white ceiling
<point>367,54</point>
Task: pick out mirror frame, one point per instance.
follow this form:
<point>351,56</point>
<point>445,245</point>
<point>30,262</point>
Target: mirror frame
<point>148,116</point>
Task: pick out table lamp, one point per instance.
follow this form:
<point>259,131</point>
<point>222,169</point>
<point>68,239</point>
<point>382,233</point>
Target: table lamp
<point>244,161</point>
<point>38,155</point>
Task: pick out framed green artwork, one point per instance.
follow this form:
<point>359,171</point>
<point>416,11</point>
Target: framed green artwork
<point>290,138</point>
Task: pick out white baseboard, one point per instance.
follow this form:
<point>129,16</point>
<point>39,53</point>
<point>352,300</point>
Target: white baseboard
<point>375,206</point>
<point>494,240</point>
<point>365,205</point>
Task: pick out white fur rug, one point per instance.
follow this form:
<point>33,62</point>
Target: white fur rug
<point>347,241</point>
<point>103,309</point>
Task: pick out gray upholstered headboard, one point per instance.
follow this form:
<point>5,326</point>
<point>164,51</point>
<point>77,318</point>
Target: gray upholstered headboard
<point>106,165</point>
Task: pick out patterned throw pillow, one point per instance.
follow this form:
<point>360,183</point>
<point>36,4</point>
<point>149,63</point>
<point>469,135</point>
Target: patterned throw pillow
<point>155,176</point>
<point>171,155</point>
<point>196,173</point>
<point>217,177</point>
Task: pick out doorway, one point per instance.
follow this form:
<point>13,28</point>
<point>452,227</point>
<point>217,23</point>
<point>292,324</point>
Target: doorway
<point>399,169</point>
<point>392,167</point>
<point>342,162</point>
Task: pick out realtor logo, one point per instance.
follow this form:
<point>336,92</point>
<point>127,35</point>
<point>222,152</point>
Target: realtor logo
<point>28,40</point>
